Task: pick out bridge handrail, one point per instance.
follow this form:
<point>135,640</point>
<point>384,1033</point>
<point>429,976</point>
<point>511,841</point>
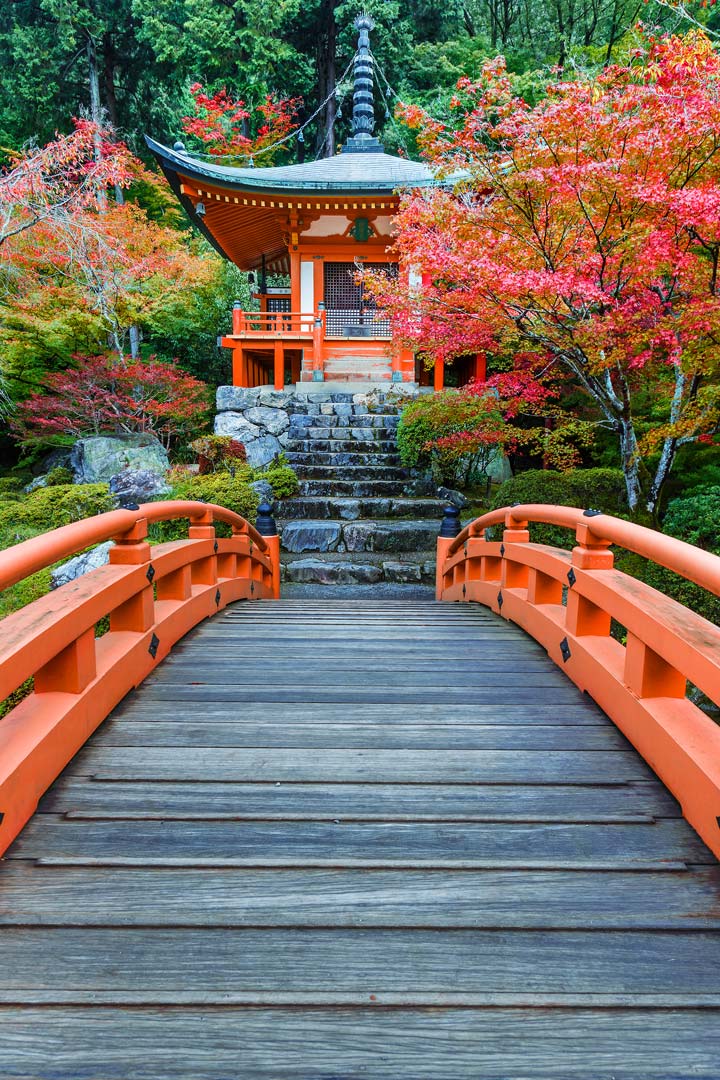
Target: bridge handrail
<point>692,563</point>
<point>567,601</point>
<point>152,595</point>
<point>26,558</point>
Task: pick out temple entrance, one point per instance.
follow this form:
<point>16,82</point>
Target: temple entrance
<point>350,312</point>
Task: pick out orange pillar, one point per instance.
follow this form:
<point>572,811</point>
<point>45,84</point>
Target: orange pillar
<point>279,365</point>
<point>439,374</point>
<point>480,367</point>
<point>240,367</point>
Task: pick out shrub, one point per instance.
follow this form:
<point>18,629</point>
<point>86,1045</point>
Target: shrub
<point>455,434</point>
<point>217,452</point>
<point>281,476</point>
<point>232,492</point>
<point>57,476</point>
<point>694,519</point>
<point>50,507</point>
<point>601,489</point>
<point>100,395</point>
<point>10,487</point>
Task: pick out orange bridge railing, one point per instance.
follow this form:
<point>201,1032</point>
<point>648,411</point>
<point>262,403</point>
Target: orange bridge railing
<point>152,595</point>
<point>566,600</point>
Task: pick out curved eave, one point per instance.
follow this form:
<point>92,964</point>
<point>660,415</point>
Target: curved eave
<point>293,182</point>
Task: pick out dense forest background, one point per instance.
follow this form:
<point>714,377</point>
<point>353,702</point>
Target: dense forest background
<point>136,59</point>
<point>131,64</point>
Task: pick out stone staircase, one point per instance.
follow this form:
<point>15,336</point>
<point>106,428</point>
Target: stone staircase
<point>353,521</point>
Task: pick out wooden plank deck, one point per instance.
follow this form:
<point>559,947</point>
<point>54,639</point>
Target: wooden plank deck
<point>332,840</point>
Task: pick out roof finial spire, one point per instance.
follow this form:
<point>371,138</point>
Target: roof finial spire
<point>363,118</point>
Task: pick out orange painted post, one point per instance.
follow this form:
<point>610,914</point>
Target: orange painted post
<point>176,585</point>
<point>203,571</point>
<point>279,365</point>
<point>514,575</point>
<point>443,543</point>
<point>647,675</point>
<point>238,319</point>
<point>240,367</point>
<point>131,549</point>
<point>273,543</point>
<point>71,670</point>
<point>480,373</point>
<point>439,375</point>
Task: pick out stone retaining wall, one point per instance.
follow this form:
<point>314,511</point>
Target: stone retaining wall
<point>260,417</point>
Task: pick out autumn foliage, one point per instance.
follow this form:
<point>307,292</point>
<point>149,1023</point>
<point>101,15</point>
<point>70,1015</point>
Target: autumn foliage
<point>99,396</point>
<point>584,232</point>
<point>227,127</point>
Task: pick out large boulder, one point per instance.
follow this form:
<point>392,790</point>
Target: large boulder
<point>236,426</point>
<point>260,452</point>
<point>98,459</point>
<point>273,420</point>
<point>236,398</point>
<point>137,486</point>
<point>80,564</point>
<point>275,399</point>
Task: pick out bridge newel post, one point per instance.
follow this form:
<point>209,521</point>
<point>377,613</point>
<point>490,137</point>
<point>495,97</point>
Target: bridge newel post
<point>204,570</point>
<point>592,552</point>
<point>265,525</point>
<point>131,548</point>
<point>514,575</point>
<point>450,526</point>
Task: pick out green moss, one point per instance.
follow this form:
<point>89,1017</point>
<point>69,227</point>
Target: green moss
<point>231,490</point>
<point>281,477</point>
<point>50,507</point>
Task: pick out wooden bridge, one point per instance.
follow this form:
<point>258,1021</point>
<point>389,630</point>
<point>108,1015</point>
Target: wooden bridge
<point>338,839</point>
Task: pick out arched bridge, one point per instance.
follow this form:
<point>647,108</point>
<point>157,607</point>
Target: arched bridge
<point>359,838</point>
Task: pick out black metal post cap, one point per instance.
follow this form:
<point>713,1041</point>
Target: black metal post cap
<point>450,525</point>
<point>265,523</point>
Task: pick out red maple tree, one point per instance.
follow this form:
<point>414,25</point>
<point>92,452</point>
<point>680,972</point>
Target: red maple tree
<point>584,231</point>
<point>224,124</point>
<point>99,396</point>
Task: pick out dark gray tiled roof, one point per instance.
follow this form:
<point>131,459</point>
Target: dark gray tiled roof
<point>372,172</point>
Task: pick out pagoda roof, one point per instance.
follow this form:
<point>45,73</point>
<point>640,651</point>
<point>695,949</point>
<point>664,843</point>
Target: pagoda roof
<point>374,173</point>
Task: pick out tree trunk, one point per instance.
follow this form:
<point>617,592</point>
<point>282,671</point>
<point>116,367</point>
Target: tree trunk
<point>95,107</point>
<point>630,458</point>
<point>109,79</point>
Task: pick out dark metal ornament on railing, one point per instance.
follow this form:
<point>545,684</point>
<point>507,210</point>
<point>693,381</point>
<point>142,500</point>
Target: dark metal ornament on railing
<point>265,523</point>
<point>450,525</point>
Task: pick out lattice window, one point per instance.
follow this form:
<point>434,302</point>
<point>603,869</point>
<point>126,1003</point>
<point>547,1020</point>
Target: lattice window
<point>350,312</point>
<point>278,303</point>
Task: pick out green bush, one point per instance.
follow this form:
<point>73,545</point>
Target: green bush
<point>599,489</point>
<point>694,519</point>
<point>225,489</point>
<point>10,487</point>
<point>455,434</point>
<point>57,476</point>
<point>281,476</point>
<point>50,507</point>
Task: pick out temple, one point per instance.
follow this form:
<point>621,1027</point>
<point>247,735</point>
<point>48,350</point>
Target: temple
<point>309,228</point>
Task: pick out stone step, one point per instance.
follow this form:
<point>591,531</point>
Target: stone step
<point>327,446</point>
<point>344,434</point>
<point>366,568</point>
<point>355,489</point>
<point>351,473</point>
<point>354,420</point>
<point>384,535</point>
<point>320,390</point>
<point>354,509</point>
<point>356,458</point>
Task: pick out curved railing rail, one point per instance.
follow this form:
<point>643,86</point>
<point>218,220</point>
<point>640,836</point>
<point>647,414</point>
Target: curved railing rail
<point>152,595</point>
<point>566,600</point>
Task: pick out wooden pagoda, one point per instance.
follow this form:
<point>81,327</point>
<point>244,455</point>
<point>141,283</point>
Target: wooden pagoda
<point>315,225</point>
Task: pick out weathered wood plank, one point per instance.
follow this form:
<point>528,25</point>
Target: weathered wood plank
<point>201,693</point>
<point>582,711</point>
<point>206,733</point>
<point>385,1044</point>
<point>384,802</point>
<point>260,843</point>
<point>351,898</point>
<point>169,961</point>
<point>280,764</point>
